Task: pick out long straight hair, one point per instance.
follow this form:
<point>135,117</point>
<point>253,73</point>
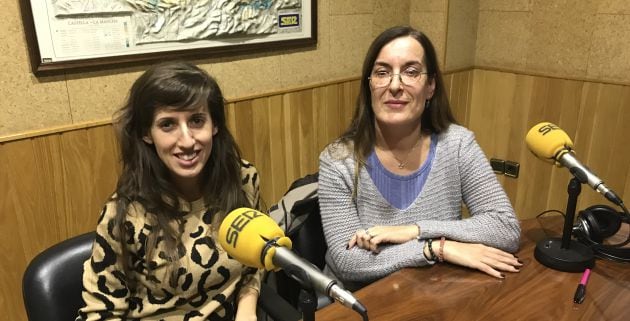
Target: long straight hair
<point>436,117</point>
<point>145,180</point>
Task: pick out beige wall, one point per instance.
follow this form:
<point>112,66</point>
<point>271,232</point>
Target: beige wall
<point>586,39</point>
<point>430,16</point>
<point>345,29</point>
<point>461,35</point>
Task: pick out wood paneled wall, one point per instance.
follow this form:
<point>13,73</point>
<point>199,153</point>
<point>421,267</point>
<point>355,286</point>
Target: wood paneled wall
<point>283,134</point>
<point>53,186</point>
<point>596,116</point>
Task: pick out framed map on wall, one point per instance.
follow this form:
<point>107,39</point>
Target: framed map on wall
<point>67,35</point>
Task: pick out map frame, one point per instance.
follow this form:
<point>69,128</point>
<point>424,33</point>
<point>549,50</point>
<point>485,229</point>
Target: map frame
<point>41,65</point>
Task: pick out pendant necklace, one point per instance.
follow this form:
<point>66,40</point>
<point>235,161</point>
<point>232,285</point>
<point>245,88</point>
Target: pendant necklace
<point>403,163</point>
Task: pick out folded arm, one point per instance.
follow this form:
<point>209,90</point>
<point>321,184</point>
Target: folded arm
<point>340,221</point>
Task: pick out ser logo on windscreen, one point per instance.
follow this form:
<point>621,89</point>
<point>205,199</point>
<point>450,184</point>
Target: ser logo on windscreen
<point>239,224</point>
<point>547,128</point>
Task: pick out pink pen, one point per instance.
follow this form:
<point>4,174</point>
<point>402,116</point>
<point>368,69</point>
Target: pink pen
<point>580,292</point>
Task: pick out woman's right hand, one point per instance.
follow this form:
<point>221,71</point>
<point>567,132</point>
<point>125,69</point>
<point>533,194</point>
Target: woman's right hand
<point>370,239</point>
<point>484,258</point>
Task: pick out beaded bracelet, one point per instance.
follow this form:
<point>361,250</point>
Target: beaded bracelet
<point>430,245</point>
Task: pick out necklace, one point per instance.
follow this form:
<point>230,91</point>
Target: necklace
<point>403,163</point>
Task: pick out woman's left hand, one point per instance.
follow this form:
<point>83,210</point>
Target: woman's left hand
<point>481,257</point>
<point>370,238</point>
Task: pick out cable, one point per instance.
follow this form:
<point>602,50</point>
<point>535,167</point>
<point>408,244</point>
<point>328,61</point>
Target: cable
<point>602,251</point>
<point>627,218</point>
<point>550,211</point>
<point>546,212</point>
<point>598,249</point>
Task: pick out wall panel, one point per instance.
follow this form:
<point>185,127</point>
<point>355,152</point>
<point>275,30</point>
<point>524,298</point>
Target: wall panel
<point>459,91</point>
<point>13,254</point>
<point>506,105</point>
<point>604,135</point>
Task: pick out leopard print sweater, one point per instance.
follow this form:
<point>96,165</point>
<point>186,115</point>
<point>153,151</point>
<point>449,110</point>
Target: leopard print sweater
<point>208,280</point>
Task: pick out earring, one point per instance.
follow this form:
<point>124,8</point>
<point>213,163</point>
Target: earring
<point>427,104</point>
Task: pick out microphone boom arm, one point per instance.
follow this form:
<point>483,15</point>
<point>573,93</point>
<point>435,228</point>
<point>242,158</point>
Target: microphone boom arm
<point>306,273</point>
<point>310,277</point>
<point>586,176</point>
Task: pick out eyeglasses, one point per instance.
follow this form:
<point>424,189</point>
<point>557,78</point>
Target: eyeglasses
<point>381,78</point>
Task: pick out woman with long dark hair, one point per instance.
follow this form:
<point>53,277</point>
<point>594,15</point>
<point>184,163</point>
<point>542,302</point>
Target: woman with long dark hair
<point>155,255</point>
<point>391,188</point>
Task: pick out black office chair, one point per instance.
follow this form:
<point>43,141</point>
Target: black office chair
<point>280,297</point>
<point>52,282</point>
<point>298,213</point>
<point>308,243</point>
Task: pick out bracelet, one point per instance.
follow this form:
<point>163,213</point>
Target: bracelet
<point>441,251</point>
<point>430,245</point>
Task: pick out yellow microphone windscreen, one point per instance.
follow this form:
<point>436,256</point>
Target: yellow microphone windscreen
<point>245,233</point>
<point>547,141</point>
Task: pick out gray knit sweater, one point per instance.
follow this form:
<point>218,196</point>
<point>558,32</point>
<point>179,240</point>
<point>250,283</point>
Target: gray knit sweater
<point>460,173</point>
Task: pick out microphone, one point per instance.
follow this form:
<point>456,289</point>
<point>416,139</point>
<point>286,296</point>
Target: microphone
<point>550,143</point>
<point>255,240</point>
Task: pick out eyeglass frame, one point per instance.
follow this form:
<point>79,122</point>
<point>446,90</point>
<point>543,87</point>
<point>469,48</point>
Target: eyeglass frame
<point>400,79</point>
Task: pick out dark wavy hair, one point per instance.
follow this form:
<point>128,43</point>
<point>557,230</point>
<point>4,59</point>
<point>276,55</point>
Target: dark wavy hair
<point>435,119</point>
<point>145,180</point>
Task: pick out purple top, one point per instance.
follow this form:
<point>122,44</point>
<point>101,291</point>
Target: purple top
<point>400,190</point>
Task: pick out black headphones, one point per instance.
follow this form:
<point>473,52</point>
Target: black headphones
<point>597,223</point>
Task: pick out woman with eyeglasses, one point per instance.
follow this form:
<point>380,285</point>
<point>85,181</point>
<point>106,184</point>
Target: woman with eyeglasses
<point>391,188</point>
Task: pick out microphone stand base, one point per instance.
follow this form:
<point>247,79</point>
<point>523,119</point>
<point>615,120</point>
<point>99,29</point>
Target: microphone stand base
<point>575,258</point>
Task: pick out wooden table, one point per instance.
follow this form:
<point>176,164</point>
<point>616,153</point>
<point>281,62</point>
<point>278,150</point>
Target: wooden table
<point>449,292</point>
